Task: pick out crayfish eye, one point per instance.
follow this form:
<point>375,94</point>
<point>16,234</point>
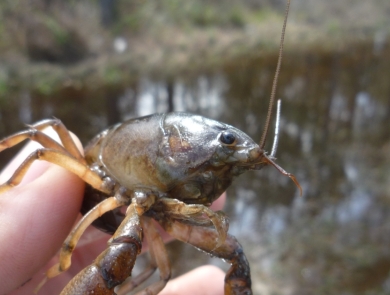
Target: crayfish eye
<point>227,138</point>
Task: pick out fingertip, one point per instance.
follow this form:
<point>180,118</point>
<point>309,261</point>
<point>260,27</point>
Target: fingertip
<point>204,280</point>
<point>219,203</point>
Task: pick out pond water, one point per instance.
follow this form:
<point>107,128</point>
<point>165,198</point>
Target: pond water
<point>334,137</point>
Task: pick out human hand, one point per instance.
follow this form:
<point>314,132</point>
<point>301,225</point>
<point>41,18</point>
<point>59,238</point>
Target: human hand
<point>37,215</point>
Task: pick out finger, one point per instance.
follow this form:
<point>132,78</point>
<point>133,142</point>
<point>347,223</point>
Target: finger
<point>219,203</point>
<point>204,280</point>
<point>35,218</point>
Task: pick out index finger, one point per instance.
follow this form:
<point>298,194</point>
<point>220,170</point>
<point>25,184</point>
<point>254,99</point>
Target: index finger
<point>36,216</point>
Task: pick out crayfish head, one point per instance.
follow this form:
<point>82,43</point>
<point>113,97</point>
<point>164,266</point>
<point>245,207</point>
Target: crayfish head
<point>237,149</point>
<point>248,155</point>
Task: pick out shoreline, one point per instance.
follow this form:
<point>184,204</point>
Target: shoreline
<point>168,52</point>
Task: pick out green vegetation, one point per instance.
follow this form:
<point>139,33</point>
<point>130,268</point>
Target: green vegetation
<point>59,32</point>
<point>166,37</point>
<point>146,15</point>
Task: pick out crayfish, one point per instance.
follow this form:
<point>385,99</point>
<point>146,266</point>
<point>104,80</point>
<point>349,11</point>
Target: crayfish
<point>163,167</point>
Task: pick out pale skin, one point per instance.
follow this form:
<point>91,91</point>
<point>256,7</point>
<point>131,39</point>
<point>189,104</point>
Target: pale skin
<point>37,215</point>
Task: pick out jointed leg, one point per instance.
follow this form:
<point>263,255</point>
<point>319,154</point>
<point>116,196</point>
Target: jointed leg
<point>34,135</point>
<point>60,158</point>
<point>71,241</point>
<point>64,135</point>
<point>177,210</point>
<point>158,259</point>
<point>237,280</point>
<point>115,264</point>
<point>138,280</point>
<point>68,156</point>
<point>159,254</point>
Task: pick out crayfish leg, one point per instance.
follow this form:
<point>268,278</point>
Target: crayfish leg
<point>67,156</point>
<point>71,241</point>
<point>126,287</point>
<point>158,259</point>
<point>174,207</point>
<point>33,135</point>
<point>63,134</point>
<point>115,264</point>
<point>237,279</point>
<point>59,158</point>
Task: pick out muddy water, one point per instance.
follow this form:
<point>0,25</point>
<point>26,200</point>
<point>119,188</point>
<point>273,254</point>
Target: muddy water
<point>335,127</point>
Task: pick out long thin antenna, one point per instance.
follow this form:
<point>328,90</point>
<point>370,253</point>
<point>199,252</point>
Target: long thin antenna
<point>284,172</point>
<point>277,125</point>
<point>275,82</point>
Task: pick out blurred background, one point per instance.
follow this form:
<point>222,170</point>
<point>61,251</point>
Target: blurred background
<point>93,63</point>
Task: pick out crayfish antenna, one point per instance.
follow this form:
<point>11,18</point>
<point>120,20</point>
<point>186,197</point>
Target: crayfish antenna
<point>277,125</point>
<point>275,82</point>
<point>284,172</point>
<point>269,159</point>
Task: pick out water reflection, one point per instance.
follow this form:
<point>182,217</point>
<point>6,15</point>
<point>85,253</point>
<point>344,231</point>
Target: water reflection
<point>334,138</point>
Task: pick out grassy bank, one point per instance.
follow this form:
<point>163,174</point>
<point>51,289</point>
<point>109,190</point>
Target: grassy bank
<point>165,39</point>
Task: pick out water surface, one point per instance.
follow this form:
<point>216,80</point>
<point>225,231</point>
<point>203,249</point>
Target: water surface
<point>334,137</point>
